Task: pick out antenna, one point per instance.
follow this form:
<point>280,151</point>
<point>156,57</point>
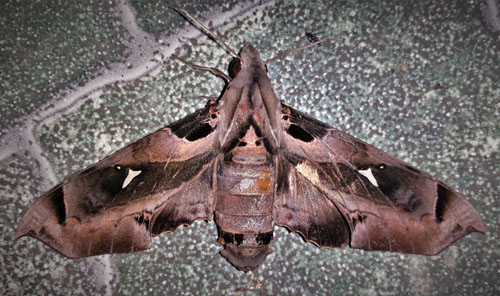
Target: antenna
<point>295,49</point>
<point>207,31</point>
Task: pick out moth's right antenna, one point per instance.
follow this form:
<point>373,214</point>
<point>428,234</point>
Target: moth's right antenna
<point>207,31</point>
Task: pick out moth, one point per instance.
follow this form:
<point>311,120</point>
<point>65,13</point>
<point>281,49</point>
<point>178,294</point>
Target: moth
<point>249,162</point>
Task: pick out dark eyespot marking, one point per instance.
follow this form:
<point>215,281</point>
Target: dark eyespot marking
<point>444,195</point>
<point>264,238</point>
<point>57,200</point>
<point>188,124</point>
<point>389,187</point>
<point>110,183</point>
<point>299,133</point>
<point>285,117</point>
<point>238,238</point>
<point>258,143</point>
<point>242,144</point>
<point>357,217</point>
<point>227,237</point>
<point>199,132</point>
<point>143,220</point>
<point>315,128</point>
<point>232,238</point>
<point>112,187</point>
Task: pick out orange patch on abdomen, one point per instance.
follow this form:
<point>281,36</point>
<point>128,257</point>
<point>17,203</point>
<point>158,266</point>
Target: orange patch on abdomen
<point>264,181</point>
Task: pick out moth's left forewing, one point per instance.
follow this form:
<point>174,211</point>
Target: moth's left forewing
<point>387,204</point>
<point>151,186</point>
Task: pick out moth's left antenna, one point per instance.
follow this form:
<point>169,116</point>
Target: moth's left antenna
<point>207,31</point>
<point>286,52</point>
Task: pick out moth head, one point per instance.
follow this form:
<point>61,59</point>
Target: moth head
<point>248,52</point>
<point>235,67</point>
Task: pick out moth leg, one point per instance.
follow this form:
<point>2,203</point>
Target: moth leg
<point>211,100</point>
<point>214,71</point>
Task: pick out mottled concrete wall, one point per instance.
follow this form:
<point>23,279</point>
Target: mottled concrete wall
<point>419,79</point>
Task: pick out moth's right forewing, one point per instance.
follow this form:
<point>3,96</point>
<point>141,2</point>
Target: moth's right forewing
<point>387,204</point>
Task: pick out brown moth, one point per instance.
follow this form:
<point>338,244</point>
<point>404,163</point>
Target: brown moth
<point>249,162</point>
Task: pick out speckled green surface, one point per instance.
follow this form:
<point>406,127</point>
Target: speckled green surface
<point>418,79</point>
<point>48,45</point>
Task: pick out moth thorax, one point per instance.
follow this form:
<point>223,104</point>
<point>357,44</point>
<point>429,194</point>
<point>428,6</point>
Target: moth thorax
<point>250,149</point>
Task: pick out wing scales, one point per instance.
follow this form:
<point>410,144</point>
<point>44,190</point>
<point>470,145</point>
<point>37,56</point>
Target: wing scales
<point>98,210</point>
<point>405,210</point>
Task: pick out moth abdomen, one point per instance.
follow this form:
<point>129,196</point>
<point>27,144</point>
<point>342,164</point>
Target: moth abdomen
<point>245,250</point>
<point>244,206</point>
<point>245,199</point>
<point>246,225</point>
